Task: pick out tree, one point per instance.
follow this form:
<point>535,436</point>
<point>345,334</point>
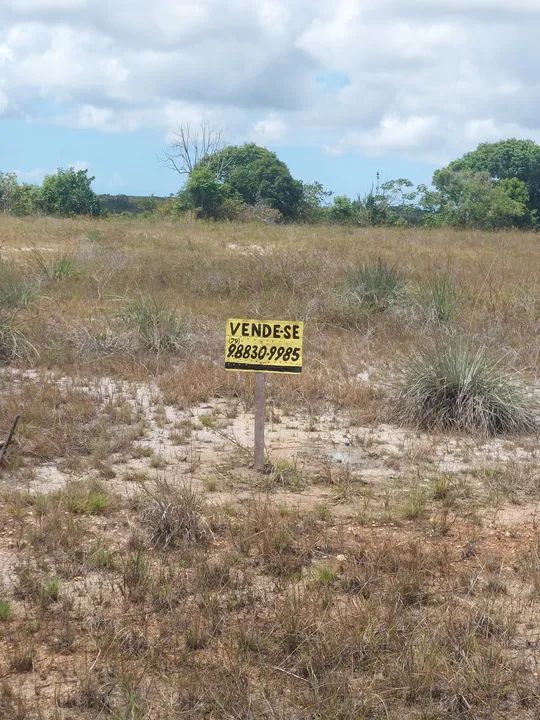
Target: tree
<point>398,200</point>
<point>343,210</point>
<point>68,192</point>
<point>16,199</point>
<point>314,202</point>
<point>8,191</point>
<point>203,192</point>
<point>255,174</point>
<point>190,147</point>
<point>389,203</point>
<point>505,160</point>
<point>472,199</point>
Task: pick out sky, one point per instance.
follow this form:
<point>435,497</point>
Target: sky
<point>339,90</point>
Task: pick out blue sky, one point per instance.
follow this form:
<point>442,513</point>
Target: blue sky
<point>339,90</point>
<point>130,162</point>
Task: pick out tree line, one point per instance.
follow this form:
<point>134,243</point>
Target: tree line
<point>495,186</point>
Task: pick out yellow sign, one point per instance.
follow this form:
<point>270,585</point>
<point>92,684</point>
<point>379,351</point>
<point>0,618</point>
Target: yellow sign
<point>264,345</point>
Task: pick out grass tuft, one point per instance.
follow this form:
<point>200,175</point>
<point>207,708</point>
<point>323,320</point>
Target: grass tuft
<point>5,610</point>
<point>14,344</point>
<point>378,285</point>
<point>17,290</point>
<point>60,267</point>
<point>94,500</point>
<point>440,298</point>
<point>174,514</point>
<point>157,325</point>
<point>455,387</point>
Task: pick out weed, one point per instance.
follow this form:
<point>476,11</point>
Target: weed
<point>136,476</point>
<point>93,500</point>
<point>14,344</point>
<point>378,285</point>
<point>13,705</point>
<point>415,504</point>
<point>135,576</point>
<point>325,575</point>
<point>174,514</point>
<point>211,484</point>
<point>207,421</point>
<point>50,590</point>
<point>440,297</point>
<point>442,486</point>
<point>17,290</point>
<point>157,462</point>
<point>157,325</point>
<point>323,512</point>
<point>282,540</point>
<point>22,657</point>
<point>102,557</point>
<point>5,610</point>
<point>285,473</point>
<point>35,586</point>
<point>60,267</point>
<point>196,635</point>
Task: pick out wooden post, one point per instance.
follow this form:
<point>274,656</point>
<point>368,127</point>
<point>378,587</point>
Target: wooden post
<point>260,413</point>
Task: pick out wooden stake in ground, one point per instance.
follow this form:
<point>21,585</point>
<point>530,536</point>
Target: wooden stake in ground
<point>260,413</point>
<point>263,346</point>
<point>4,446</point>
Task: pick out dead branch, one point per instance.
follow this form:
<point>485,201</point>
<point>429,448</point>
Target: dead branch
<point>190,147</point>
<point>4,446</point>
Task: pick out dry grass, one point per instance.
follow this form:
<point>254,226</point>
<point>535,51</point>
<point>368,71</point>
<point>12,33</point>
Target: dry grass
<point>136,588</point>
<point>276,614</point>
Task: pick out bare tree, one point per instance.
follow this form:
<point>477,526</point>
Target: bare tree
<point>191,146</point>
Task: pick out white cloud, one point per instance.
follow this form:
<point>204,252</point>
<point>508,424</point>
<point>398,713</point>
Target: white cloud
<point>269,129</point>
<point>424,79</point>
<point>32,6</point>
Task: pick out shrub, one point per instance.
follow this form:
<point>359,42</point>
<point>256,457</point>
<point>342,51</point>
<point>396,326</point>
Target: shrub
<point>456,387</point>
<point>377,284</point>
<point>68,192</point>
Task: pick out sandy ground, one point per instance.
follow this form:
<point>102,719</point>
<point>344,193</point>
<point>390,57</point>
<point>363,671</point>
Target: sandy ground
<point>213,442</point>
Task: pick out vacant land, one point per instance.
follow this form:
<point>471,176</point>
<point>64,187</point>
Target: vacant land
<point>376,570</point>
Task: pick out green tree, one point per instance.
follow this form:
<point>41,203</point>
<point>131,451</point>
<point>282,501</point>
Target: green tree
<point>472,199</point>
<point>343,210</point>
<point>17,199</point>
<point>202,192</point>
<point>505,160</point>
<point>398,201</point>
<point>147,204</point>
<point>68,192</point>
<point>313,205</point>
<point>8,191</point>
<point>255,174</point>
